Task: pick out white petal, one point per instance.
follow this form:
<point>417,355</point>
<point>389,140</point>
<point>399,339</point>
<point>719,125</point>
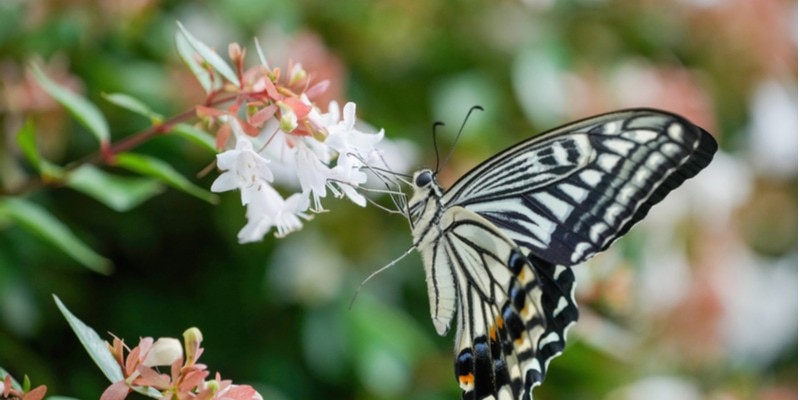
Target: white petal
<point>349,115</point>
<point>226,181</point>
<point>254,230</point>
<point>164,351</point>
<point>227,160</point>
<point>353,195</point>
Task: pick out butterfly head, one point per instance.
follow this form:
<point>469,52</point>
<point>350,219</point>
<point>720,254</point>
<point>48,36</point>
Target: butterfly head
<point>427,194</point>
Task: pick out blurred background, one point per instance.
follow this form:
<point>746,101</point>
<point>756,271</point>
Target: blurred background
<point>697,302</point>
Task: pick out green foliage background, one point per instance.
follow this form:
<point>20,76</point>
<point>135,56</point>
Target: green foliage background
<point>275,314</point>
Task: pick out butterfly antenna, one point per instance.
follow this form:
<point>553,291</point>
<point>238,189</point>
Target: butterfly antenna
<point>384,268</point>
<point>387,177</point>
<point>436,144</point>
<point>458,135</point>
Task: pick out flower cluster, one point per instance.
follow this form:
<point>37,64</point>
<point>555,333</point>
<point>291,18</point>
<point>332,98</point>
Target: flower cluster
<point>274,125</point>
<point>186,380</point>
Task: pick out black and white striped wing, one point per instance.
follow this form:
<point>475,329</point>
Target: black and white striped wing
<point>513,309</point>
<point>569,193</point>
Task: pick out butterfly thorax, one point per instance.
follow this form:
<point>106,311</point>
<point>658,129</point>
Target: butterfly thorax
<point>425,207</point>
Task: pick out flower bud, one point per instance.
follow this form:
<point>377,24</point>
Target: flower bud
<point>297,74</point>
<point>212,386</point>
<point>192,338</point>
<point>288,121</point>
<point>164,351</point>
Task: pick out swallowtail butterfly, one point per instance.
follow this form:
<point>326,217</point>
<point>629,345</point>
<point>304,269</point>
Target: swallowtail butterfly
<point>498,245</point>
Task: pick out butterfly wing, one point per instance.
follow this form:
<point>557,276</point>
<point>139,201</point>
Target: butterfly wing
<point>569,193</point>
<point>513,309</point>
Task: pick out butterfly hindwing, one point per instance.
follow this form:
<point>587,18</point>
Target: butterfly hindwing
<point>513,309</point>
<point>570,193</point>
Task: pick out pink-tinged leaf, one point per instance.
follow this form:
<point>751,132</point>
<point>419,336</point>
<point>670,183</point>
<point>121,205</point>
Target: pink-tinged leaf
<point>239,392</point>
<point>6,385</point>
<point>193,379</point>
<point>149,377</point>
<point>300,109</point>
<point>117,391</point>
<point>133,360</point>
<point>318,89</point>
<point>223,134</point>
<point>175,368</point>
<point>249,129</point>
<point>35,394</point>
<point>272,91</point>
<point>262,115</point>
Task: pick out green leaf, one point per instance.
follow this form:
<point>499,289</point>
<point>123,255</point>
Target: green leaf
<point>26,139</point>
<point>39,221</point>
<point>117,192</point>
<point>94,345</point>
<point>99,352</point>
<point>82,109</point>
<point>210,56</point>
<point>187,55</point>
<point>164,172</point>
<point>134,105</point>
<point>261,56</point>
<point>196,135</point>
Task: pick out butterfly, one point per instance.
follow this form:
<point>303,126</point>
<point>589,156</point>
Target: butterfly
<point>498,245</point>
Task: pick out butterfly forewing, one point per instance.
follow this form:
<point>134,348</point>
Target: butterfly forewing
<point>497,245</point>
<point>570,193</point>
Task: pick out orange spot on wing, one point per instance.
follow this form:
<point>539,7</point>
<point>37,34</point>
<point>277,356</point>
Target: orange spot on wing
<point>467,379</point>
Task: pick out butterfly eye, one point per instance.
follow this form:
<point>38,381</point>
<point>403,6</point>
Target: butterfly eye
<point>423,178</point>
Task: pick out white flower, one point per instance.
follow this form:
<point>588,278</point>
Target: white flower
<point>320,120</point>
<point>313,174</point>
<point>346,176</point>
<point>346,139</point>
<point>242,167</point>
<point>329,154</point>
<point>165,351</point>
<point>268,209</point>
<point>356,149</point>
